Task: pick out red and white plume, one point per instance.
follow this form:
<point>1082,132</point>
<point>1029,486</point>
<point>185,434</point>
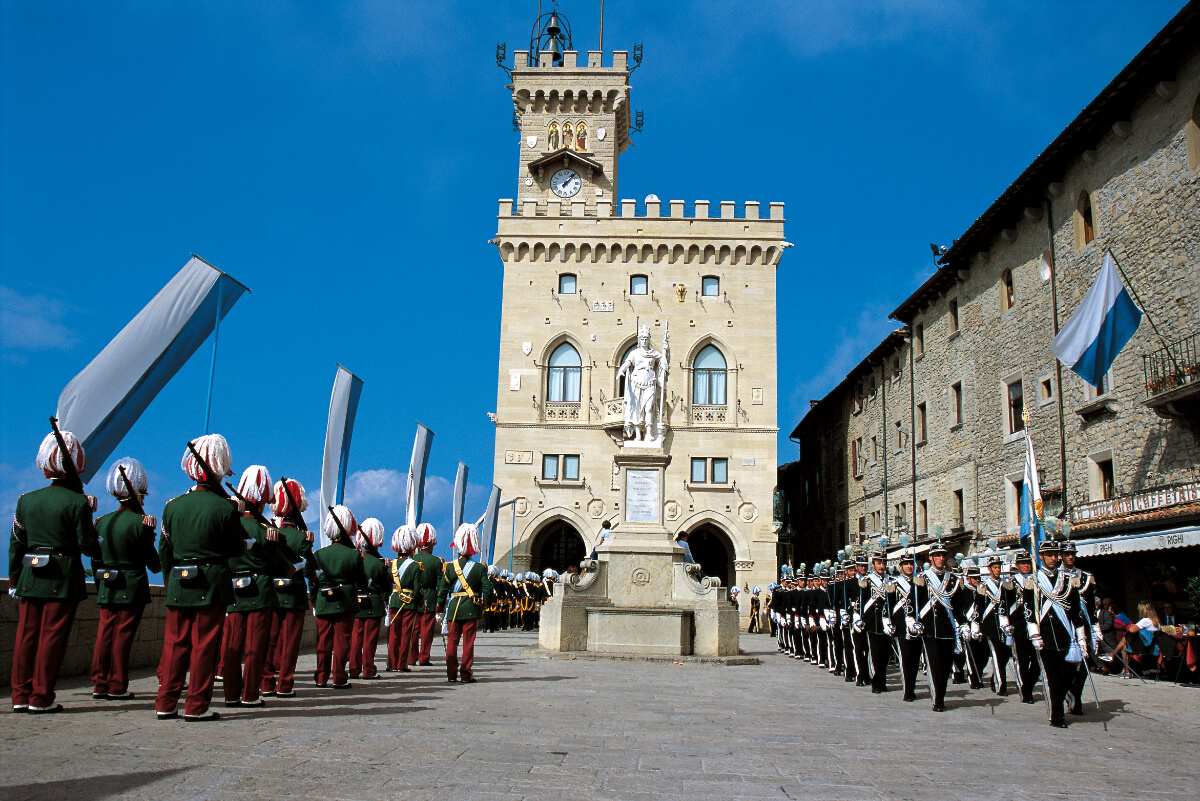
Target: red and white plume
<point>346,517</point>
<point>370,533</point>
<point>281,506</point>
<point>426,536</point>
<point>49,460</point>
<point>404,540</point>
<point>215,450</point>
<point>255,485</point>
<point>466,539</point>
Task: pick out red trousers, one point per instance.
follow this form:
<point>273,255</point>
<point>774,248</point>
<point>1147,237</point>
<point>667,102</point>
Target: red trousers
<point>333,647</point>
<point>466,630</point>
<point>401,638</point>
<point>428,623</point>
<point>114,640</point>
<point>283,648</point>
<point>246,637</point>
<point>43,627</point>
<point>190,645</point>
<point>364,642</point>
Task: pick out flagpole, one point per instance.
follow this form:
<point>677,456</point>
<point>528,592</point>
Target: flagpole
<point>212,372</point>
<point>1145,310</point>
<point>1062,430</point>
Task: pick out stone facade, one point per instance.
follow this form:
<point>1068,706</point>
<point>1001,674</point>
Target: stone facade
<point>1123,178</point>
<point>602,245</point>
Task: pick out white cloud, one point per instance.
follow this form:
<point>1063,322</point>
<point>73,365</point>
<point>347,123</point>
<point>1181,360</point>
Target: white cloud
<point>853,345</point>
<point>31,323</point>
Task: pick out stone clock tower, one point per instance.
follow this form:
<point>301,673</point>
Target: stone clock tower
<point>583,272</point>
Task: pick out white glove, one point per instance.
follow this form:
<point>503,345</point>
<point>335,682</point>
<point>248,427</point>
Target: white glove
<point>845,618</point>
<point>915,629</point>
<point>889,628</point>
<point>811,622</point>
<point>964,631</point>
<point>440,616</point>
<point>1036,639</point>
<point>976,631</point>
<point>1097,638</point>
<point>831,616</point>
<point>824,625</point>
<point>12,592</point>
<point>1081,637</point>
<point>1004,624</point>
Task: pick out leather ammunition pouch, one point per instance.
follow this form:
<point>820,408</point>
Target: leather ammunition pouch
<point>282,583</point>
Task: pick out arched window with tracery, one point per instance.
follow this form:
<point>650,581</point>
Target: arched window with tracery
<point>563,377</point>
<point>708,377</point>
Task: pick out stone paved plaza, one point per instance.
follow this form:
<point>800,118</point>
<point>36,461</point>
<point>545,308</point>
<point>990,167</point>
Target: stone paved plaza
<point>550,728</point>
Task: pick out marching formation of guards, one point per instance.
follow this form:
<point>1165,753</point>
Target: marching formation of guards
<point>854,618</point>
<point>238,586</point>
<point>519,599</point>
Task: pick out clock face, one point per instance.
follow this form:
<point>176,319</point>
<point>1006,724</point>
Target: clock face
<point>566,183</point>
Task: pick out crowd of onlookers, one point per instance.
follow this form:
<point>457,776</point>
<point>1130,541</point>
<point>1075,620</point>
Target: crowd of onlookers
<point>1149,642</point>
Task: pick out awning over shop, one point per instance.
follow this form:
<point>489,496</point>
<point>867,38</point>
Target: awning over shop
<point>1146,541</point>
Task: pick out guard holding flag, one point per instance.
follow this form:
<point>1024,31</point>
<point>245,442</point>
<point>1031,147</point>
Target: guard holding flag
<point>122,587</point>
<point>52,530</point>
<point>464,590</point>
<point>431,569</point>
<point>1055,626</point>
<point>364,639</point>
<point>201,530</point>
<point>290,578</point>
<point>334,594</point>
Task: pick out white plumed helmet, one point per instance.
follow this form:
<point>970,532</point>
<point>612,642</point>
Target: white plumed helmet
<point>346,518</point>
<point>49,461</point>
<point>426,535</point>
<point>134,471</point>
<point>404,540</point>
<point>466,539</point>
<point>215,451</point>
<point>370,534</point>
<point>255,484</point>
<point>281,505</point>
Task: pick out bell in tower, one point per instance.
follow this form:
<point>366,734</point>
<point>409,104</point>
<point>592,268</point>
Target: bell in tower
<point>550,38</point>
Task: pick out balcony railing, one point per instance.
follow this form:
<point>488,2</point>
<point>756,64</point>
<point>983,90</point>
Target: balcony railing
<point>1172,367</point>
<point>1158,499</point>
<point>709,414</point>
<point>562,411</point>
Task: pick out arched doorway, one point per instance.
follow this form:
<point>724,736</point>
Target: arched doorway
<point>557,546</point>
<point>713,551</point>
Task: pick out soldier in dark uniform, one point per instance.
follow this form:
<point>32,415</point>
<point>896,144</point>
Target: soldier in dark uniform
<point>995,596</point>
<point>340,577</point>
<point>970,631</point>
<point>848,608</point>
<point>248,618</point>
<point>907,642</point>
<point>858,635</point>
<point>1054,622</point>
<point>122,587</point>
<point>1026,657</point>
<point>52,531</point>
<point>431,569</point>
<point>294,568</point>
<point>405,598</point>
<point>935,595</point>
<point>364,637</point>
<point>201,531</point>
<point>1087,603</point>
<point>877,620</point>
<point>755,611</point>
<point>463,591</point>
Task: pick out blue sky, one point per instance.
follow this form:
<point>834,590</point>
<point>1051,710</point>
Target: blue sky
<point>343,160</point>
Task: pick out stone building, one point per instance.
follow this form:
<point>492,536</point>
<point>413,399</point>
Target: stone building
<point>581,271</point>
<point>972,376</point>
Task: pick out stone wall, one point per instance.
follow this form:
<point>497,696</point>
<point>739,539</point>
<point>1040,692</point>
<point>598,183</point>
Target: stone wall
<point>147,647</point>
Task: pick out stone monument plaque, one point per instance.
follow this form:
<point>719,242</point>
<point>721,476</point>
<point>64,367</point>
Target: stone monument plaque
<point>641,496</point>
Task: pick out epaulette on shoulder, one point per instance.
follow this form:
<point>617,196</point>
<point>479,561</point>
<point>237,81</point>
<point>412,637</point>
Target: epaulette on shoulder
<point>1029,583</point>
<point>1008,584</point>
<point>864,582</point>
<point>980,590</point>
<point>919,580</point>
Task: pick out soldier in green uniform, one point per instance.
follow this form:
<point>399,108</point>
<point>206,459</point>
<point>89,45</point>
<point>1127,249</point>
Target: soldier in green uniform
<point>248,619</point>
<point>431,569</point>
<point>291,577</point>
<point>52,530</point>
<point>335,595</point>
<point>464,590</point>
<point>406,597</point>
<point>122,587</point>
<point>364,639</point>
<point>201,531</point>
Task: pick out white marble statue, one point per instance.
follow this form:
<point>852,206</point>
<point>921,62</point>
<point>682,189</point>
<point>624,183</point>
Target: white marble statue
<point>645,371</point>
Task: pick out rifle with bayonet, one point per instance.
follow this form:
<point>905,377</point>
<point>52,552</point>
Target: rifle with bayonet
<point>74,481</point>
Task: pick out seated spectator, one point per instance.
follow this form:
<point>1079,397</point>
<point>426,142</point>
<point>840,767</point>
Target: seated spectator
<point>1169,618</point>
<point>1144,630</point>
<point>1108,632</point>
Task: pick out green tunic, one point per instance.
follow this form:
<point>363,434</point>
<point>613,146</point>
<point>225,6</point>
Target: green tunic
<point>461,606</point>
<point>256,565</point>
<point>201,529</point>
<point>298,550</point>
<point>380,581</point>
<point>341,576</point>
<point>431,571</point>
<point>126,551</point>
<point>405,572</point>
<point>56,524</point>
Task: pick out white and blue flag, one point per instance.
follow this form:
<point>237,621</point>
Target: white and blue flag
<point>1102,325</point>
<point>103,402</point>
<point>343,406</point>
<point>1033,530</point>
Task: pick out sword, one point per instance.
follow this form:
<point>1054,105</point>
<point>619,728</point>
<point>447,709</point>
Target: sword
<point>928,672</point>
<point>1091,683</point>
<point>1045,684</point>
<point>1123,662</point>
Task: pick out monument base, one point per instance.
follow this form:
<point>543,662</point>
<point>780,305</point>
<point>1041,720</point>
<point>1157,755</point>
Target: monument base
<point>640,598</point>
